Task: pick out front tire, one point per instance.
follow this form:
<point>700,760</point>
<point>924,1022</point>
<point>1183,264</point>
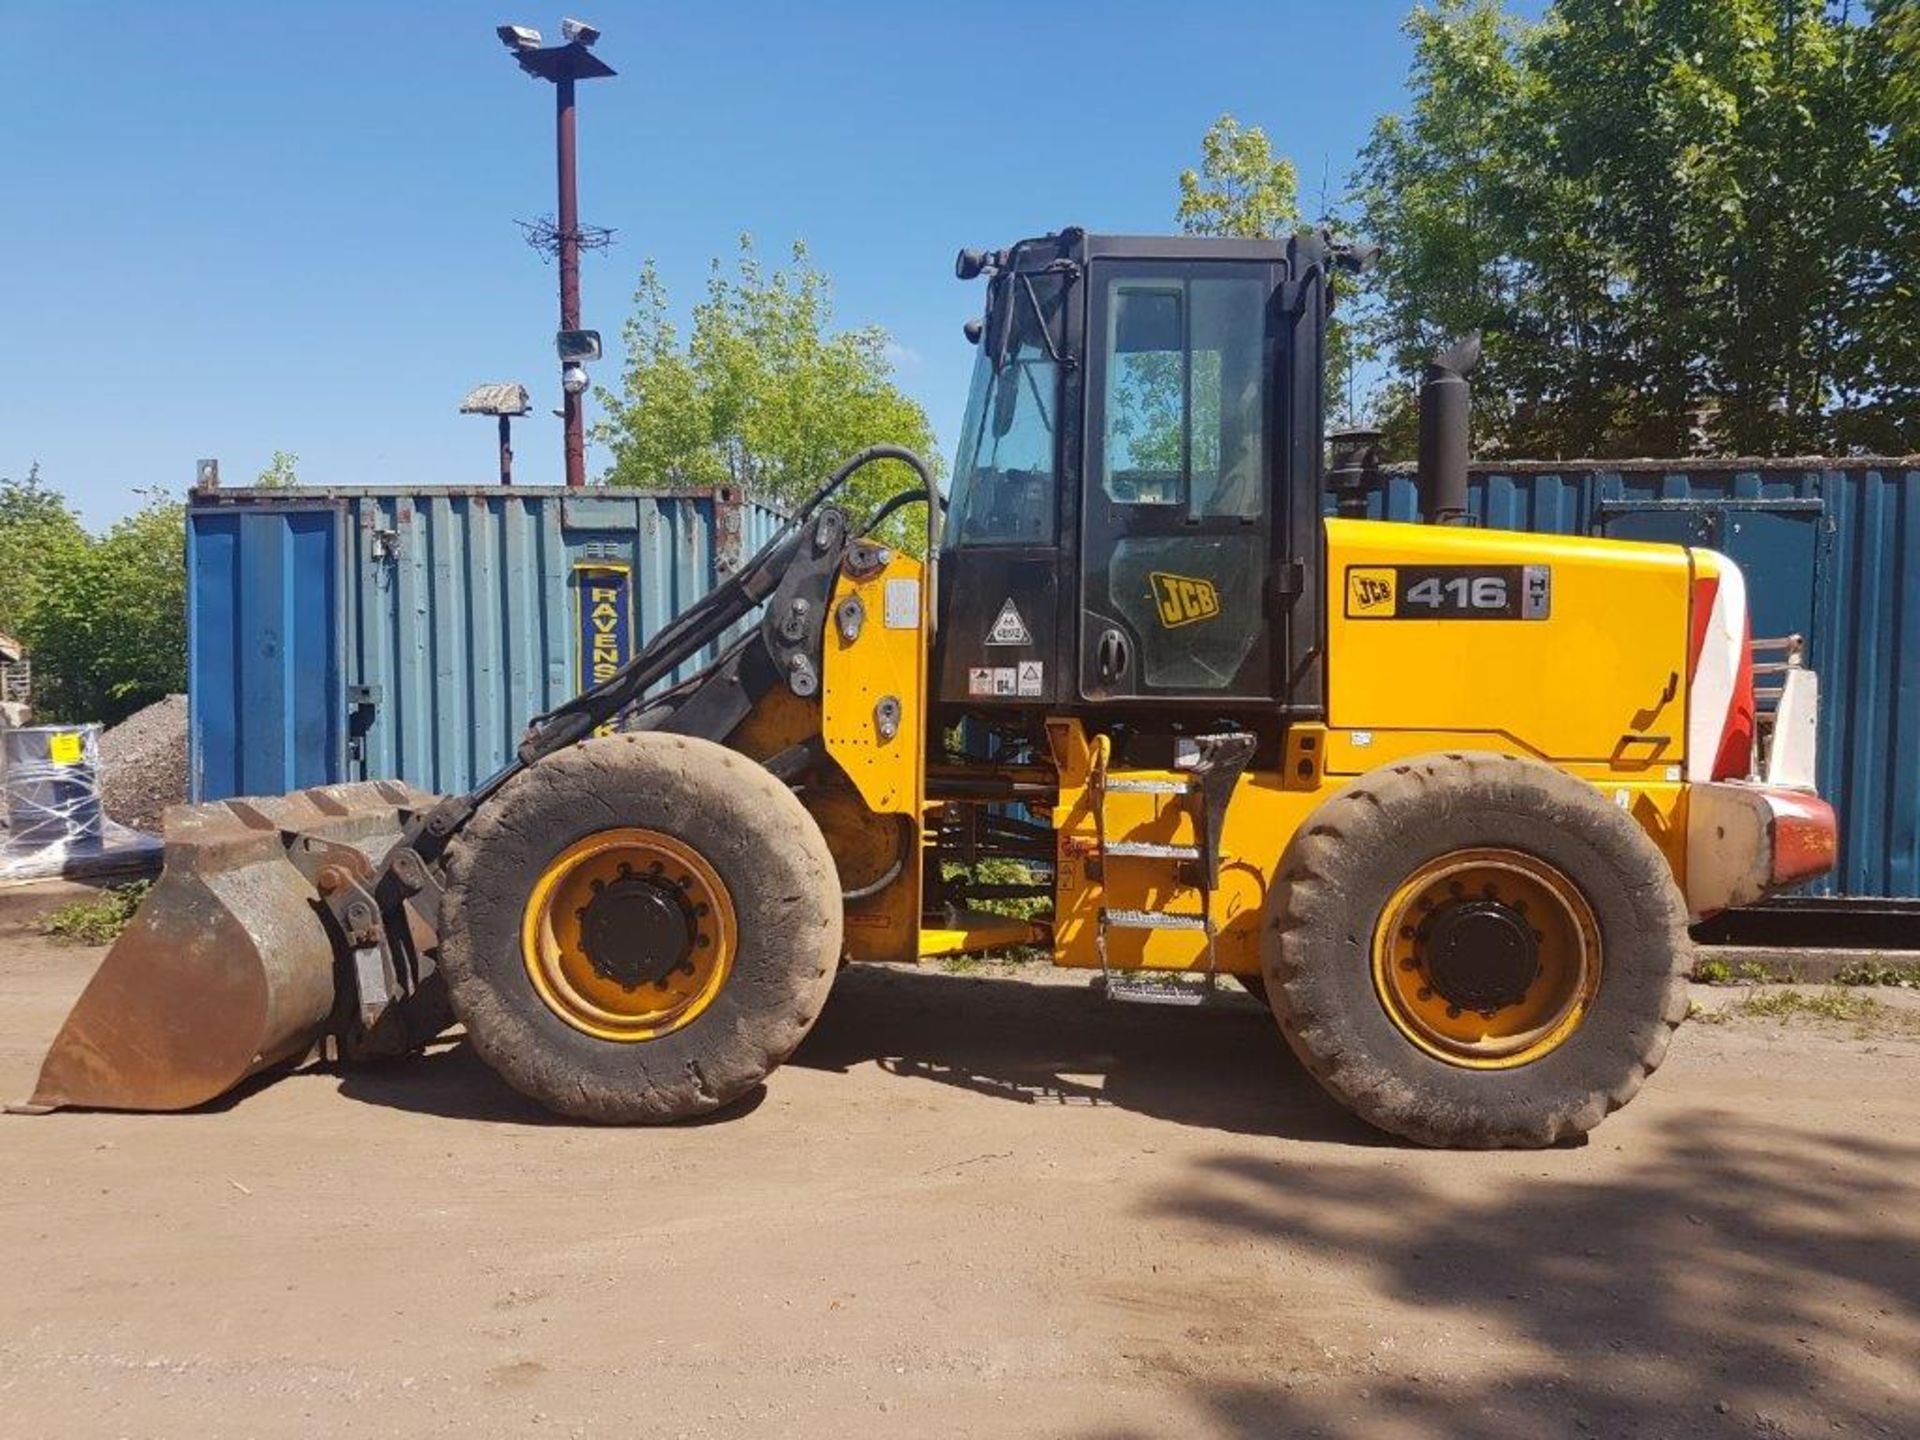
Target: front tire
<point>639,928</point>
<point>1476,950</point>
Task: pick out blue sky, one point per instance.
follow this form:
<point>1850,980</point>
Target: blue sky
<point>234,228</point>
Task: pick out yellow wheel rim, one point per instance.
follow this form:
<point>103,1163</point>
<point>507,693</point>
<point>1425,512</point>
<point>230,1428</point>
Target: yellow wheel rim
<point>1487,959</point>
<point>629,934</point>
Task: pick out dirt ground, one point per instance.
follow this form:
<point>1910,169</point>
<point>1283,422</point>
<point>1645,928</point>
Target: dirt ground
<point>974,1205</point>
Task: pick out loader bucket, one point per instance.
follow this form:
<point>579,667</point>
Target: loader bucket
<point>228,966</point>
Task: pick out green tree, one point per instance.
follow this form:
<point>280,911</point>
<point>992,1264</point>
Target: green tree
<point>107,626</point>
<point>765,395</point>
<point>1679,223</point>
<point>1883,415</point>
<point>38,534</point>
<point>282,472</point>
<point>1447,188</point>
<point>1242,188</point>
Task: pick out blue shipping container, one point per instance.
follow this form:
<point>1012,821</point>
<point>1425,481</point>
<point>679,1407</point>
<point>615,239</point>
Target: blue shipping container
<point>409,633</point>
<point>1831,551</point>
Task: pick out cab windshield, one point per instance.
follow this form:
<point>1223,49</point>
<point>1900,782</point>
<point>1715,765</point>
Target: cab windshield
<point>1003,477</point>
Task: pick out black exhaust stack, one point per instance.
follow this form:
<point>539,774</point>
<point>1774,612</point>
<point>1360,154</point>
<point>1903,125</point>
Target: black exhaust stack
<point>1446,408</point>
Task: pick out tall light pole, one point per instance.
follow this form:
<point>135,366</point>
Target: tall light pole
<point>563,65</point>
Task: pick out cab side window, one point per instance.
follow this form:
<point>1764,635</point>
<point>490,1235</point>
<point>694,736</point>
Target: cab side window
<point>1185,401</point>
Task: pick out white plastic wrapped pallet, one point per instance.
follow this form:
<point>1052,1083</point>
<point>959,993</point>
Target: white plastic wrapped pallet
<point>50,798</point>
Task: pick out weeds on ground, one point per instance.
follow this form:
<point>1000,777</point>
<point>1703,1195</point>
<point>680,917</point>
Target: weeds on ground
<point>100,920</point>
<point>1784,1005</point>
<point>1867,1015</point>
<point>1715,971</point>
<point>994,962</point>
<point>1903,973</point>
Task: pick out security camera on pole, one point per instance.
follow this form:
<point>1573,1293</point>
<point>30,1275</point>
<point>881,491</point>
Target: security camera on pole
<point>564,64</point>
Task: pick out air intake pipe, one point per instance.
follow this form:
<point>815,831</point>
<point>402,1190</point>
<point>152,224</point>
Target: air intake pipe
<point>1446,409</point>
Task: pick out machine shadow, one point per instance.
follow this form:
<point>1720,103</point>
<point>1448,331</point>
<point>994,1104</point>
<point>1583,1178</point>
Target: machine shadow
<point>449,1080</point>
<point>1221,1066</point>
<point>1737,1278</point>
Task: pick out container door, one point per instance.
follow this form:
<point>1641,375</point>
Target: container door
<point>1675,523</point>
<point>1778,550</point>
<point>265,675</point>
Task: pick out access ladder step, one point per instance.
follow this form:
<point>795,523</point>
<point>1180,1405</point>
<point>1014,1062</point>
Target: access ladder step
<point>1135,786</point>
<point>1139,988</point>
<point>1152,850</point>
<point>1153,920</point>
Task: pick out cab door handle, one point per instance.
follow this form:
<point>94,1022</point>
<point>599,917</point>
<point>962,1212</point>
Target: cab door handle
<point>1111,655</point>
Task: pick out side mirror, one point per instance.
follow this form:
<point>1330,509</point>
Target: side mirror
<point>1354,257</point>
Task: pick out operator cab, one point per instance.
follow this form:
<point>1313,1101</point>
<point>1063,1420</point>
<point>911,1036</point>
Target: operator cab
<point>1133,527</point>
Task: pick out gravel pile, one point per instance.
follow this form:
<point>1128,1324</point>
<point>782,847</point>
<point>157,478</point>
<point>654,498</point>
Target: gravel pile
<point>143,763</point>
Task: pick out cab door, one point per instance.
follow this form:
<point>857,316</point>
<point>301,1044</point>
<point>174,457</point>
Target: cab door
<point>1177,494</point>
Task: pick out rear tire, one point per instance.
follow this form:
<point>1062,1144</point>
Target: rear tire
<point>763,863</point>
<point>1333,967</point>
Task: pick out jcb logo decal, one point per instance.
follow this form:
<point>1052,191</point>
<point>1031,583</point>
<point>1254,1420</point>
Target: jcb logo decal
<point>1182,599</point>
<point>1370,592</point>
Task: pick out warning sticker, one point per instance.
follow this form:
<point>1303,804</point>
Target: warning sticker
<point>1009,628</point>
<point>66,748</point>
<point>902,604</point>
<point>1000,680</point>
<point>1032,679</point>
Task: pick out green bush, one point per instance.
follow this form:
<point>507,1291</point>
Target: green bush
<point>104,619</point>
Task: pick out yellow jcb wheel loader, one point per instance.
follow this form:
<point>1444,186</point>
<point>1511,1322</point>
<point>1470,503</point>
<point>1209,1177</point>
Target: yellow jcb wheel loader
<point>1445,798</point>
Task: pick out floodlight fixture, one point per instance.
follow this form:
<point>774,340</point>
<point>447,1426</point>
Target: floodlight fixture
<point>503,400</point>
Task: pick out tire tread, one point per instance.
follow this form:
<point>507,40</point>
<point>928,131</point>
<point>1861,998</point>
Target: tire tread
<point>1314,876</point>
